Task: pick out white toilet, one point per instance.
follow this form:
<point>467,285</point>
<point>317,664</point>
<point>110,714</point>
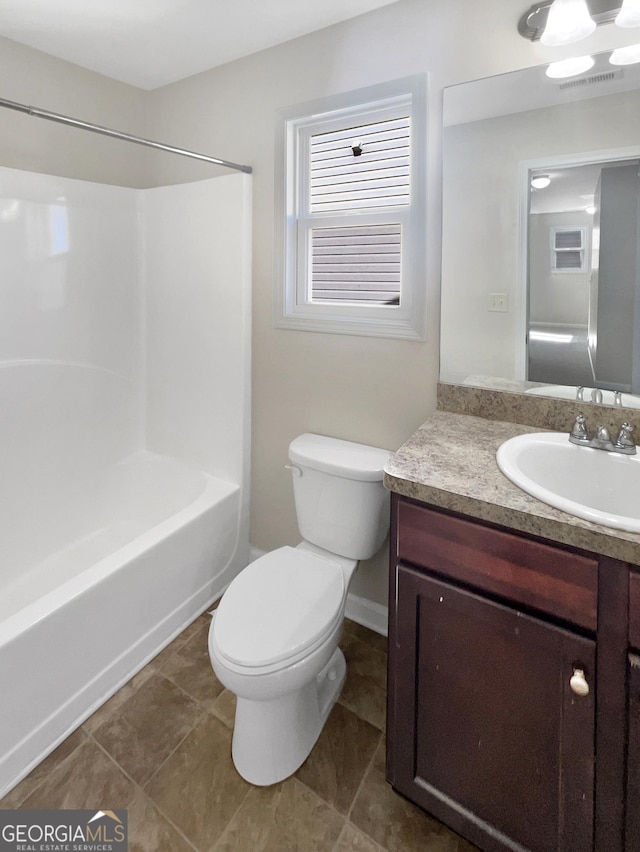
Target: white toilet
<point>274,638</point>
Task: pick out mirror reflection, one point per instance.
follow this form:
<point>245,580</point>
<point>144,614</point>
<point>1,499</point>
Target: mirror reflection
<point>541,236</point>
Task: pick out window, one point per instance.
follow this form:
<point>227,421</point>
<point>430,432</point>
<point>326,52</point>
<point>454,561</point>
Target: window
<point>351,213</point>
<point>569,250</point>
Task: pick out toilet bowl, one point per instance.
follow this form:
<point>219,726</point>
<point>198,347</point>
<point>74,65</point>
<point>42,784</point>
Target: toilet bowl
<point>273,640</point>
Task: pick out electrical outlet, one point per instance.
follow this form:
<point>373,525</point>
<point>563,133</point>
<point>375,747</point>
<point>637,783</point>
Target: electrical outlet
<point>499,302</point>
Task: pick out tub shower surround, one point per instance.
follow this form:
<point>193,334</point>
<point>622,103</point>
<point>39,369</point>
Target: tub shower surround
<point>124,380</point>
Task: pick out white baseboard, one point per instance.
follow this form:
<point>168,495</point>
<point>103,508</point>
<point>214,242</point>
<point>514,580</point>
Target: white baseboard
<point>368,613</point>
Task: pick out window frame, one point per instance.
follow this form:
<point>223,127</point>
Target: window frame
<point>583,249</point>
<point>292,307</point>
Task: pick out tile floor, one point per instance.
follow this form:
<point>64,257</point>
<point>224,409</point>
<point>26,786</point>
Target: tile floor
<point>161,748</point>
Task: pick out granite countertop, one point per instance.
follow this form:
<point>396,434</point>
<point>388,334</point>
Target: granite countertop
<point>450,462</point>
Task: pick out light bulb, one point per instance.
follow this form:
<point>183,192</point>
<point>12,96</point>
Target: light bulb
<point>569,67</point>
<point>629,14</point>
<point>625,55</point>
<point>540,181</point>
<point>568,21</point>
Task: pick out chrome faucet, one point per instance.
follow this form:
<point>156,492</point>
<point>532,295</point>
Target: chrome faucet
<point>624,443</point>
<point>596,395</point>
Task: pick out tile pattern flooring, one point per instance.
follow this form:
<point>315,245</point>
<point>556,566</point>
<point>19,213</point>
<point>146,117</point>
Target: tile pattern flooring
<point>161,748</point>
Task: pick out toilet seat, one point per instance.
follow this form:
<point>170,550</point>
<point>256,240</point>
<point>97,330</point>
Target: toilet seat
<point>278,609</point>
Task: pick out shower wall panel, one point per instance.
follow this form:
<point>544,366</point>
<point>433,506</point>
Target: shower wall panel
<point>197,250</point>
<point>69,353</point>
<point>124,325</point>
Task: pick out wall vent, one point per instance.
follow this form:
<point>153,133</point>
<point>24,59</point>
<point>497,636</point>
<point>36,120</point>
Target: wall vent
<point>604,77</point>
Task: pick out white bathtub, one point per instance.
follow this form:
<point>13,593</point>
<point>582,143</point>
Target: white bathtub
<point>160,544</point>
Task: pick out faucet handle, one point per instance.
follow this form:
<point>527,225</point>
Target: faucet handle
<point>579,434</point>
<point>625,441</point>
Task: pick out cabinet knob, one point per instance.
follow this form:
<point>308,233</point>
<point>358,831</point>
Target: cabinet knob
<point>578,683</point>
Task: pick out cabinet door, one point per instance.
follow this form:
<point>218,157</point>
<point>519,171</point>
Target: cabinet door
<point>488,735</point>
<point>632,828</point>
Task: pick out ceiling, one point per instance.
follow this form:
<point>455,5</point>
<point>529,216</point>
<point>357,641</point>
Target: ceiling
<point>149,43</point>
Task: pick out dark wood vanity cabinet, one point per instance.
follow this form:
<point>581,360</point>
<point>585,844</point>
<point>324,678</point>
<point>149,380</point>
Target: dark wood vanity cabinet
<point>500,740</point>
<point>632,821</point>
<point>494,715</point>
<point>632,817</point>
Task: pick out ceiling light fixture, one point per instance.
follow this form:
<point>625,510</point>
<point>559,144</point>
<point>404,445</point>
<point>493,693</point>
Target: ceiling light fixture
<point>540,181</point>
<point>569,67</point>
<point>568,21</point>
<point>537,23</point>
<point>625,55</point>
<point>629,14</point>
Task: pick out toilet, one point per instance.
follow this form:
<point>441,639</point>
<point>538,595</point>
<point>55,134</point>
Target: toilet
<point>273,640</point>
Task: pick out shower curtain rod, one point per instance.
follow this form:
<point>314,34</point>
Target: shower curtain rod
<point>116,134</point>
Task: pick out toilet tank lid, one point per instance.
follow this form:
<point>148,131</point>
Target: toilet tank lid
<point>342,458</point>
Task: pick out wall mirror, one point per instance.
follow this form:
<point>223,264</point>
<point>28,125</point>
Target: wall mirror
<point>541,233</point>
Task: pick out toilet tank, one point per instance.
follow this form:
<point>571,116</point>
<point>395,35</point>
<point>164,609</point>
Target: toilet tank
<point>341,503</point>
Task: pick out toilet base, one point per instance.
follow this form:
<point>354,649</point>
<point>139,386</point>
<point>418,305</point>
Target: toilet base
<point>271,739</point>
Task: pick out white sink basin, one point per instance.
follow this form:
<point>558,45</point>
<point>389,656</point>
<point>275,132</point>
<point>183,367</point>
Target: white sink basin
<point>592,484</point>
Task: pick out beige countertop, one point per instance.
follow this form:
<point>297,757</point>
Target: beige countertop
<point>450,462</point>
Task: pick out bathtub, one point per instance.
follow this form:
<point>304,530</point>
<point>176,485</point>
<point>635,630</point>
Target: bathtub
<point>160,543</point>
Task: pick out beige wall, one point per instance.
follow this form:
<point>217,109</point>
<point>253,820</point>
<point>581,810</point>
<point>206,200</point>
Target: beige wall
<point>34,78</point>
<point>560,297</point>
<point>365,389</point>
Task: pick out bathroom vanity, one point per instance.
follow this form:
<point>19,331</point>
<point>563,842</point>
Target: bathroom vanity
<point>514,653</point>
<point>514,644</point>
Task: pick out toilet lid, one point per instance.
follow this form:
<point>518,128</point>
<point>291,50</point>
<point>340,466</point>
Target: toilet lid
<point>278,606</point>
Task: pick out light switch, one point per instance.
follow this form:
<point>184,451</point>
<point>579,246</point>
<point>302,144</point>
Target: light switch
<point>499,302</point>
